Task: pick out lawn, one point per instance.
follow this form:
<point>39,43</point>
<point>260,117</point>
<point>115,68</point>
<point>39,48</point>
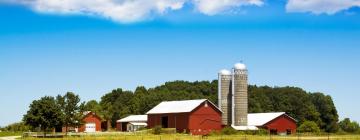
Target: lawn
<point>218,137</point>
<point>4,134</point>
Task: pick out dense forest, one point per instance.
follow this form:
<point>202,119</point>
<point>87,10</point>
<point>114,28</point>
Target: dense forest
<point>301,105</point>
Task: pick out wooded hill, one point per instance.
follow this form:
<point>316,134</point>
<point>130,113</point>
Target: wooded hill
<point>294,101</point>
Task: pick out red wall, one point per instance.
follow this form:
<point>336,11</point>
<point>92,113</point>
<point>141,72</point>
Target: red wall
<point>175,120</point>
<point>204,119</point>
<point>201,120</point>
<point>281,124</point>
<point>91,118</point>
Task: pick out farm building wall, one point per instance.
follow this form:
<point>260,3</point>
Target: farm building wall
<point>204,119</point>
<point>282,124</point>
<point>91,118</point>
<point>175,120</point>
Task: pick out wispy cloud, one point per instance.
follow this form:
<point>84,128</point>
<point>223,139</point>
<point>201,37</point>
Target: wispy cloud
<point>320,6</point>
<point>126,11</point>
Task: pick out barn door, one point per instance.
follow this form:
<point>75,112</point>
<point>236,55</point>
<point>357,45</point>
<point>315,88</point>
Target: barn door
<point>165,121</point>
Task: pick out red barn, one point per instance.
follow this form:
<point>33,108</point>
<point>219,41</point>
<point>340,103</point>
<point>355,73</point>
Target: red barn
<point>92,123</point>
<point>197,117</point>
<point>275,123</point>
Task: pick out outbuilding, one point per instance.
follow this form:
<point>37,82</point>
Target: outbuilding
<point>196,117</point>
<point>131,123</point>
<point>275,122</point>
<point>91,123</point>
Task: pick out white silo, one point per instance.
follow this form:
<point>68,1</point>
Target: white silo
<point>240,95</point>
<point>225,96</point>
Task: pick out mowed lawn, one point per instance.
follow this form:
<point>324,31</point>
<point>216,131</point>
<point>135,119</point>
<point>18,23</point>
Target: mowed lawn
<point>189,137</point>
<point>5,134</point>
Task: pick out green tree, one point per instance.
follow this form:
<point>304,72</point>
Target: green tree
<point>328,113</point>
<point>309,126</point>
<point>107,113</point>
<point>72,110</point>
<point>44,114</point>
<point>93,106</point>
<point>349,126</point>
<point>107,104</point>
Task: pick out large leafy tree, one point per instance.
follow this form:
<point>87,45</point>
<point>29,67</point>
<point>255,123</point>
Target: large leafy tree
<point>328,114</point>
<point>44,114</point>
<point>71,109</point>
<point>107,102</point>
<point>93,106</point>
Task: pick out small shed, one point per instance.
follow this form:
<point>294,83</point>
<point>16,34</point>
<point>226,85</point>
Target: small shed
<point>275,123</point>
<point>131,123</point>
<point>197,117</point>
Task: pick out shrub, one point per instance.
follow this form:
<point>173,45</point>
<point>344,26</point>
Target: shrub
<point>262,131</point>
<point>309,127</point>
<point>228,131</point>
<point>168,130</point>
<point>157,129</point>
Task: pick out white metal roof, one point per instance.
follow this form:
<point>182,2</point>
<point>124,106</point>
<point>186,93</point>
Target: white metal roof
<point>259,119</point>
<point>177,106</point>
<point>138,123</point>
<point>134,118</point>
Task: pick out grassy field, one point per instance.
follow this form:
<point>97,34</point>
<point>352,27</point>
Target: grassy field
<point>4,134</point>
<point>218,137</point>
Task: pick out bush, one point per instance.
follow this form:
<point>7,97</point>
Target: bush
<point>228,131</point>
<point>349,126</point>
<point>309,127</point>
<point>142,128</point>
<point>262,131</point>
<point>157,130</point>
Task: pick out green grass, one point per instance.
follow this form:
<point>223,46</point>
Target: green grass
<point>128,136</point>
<point>4,134</point>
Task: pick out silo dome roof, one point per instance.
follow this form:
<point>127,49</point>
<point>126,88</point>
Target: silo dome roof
<point>240,66</point>
<point>224,72</point>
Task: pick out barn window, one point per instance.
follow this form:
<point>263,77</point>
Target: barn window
<point>206,104</point>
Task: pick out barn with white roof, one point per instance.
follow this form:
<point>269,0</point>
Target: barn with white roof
<point>131,123</point>
<point>193,116</point>
<point>274,122</point>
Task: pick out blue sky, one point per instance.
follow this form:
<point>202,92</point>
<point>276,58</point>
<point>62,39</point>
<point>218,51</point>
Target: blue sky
<point>49,53</point>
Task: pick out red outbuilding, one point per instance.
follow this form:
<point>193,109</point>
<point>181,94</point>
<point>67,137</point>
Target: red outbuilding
<point>92,123</point>
<point>275,123</point>
<point>197,117</point>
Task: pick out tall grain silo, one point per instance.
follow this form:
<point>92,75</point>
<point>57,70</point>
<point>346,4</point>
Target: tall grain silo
<point>239,91</point>
<point>225,96</point>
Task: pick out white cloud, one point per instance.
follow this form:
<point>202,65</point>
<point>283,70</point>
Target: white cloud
<point>320,6</point>
<point>130,10</point>
<point>212,7</point>
<point>117,10</point>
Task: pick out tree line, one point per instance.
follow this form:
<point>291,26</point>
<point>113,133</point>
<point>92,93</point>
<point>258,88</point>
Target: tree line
<point>317,108</point>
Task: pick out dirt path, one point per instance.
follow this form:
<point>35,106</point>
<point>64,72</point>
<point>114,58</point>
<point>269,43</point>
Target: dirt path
<point>10,138</point>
